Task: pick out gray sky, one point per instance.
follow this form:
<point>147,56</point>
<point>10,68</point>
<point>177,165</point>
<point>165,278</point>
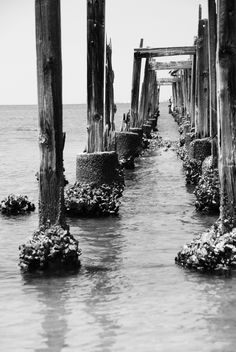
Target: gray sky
<point>159,22</point>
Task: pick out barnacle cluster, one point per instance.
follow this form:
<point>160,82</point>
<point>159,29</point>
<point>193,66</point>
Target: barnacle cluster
<point>193,170</point>
<point>207,192</point>
<point>50,248</point>
<point>182,151</point>
<point>86,200</point>
<point>16,204</point>
<point>211,252</point>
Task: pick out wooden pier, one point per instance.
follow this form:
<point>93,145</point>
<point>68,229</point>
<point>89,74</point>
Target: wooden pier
<point>195,83</point>
<point>203,103</point>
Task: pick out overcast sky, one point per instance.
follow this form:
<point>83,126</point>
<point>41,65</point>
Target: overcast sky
<point>159,22</point>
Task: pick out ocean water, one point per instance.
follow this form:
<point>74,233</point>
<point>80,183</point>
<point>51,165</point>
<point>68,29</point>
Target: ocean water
<point>129,295</point>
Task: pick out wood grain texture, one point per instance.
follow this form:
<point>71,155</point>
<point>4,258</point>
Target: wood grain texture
<point>203,126</point>
<point>172,65</point>
<point>212,30</point>
<point>49,75</point>
<point>95,74</point>
<point>226,87</point>
<point>168,51</point>
<point>137,62</point>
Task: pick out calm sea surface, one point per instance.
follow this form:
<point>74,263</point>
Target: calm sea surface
<point>129,295</point>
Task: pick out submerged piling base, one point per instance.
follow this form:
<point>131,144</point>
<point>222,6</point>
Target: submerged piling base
<point>200,149</point>
<point>98,168</point>
<point>153,122</point>
<point>127,147</point>
<point>99,185</point>
<point>52,248</point>
<point>147,129</point>
<point>210,252</point>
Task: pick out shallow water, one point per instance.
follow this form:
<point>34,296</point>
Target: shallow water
<point>129,295</point>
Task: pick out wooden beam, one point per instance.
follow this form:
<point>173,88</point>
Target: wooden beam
<point>95,74</point>
<point>167,81</point>
<point>49,76</point>
<point>170,51</point>
<point>172,65</point>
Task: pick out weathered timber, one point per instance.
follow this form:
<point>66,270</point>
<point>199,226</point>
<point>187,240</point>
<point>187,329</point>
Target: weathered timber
<point>152,94</point>
<point>185,88</point>
<point>110,108</point>
<point>179,90</point>
<point>167,81</point>
<point>196,88</point>
<point>135,87</point>
<point>226,88</point>
<point>170,51</point>
<point>143,111</point>
<point>193,89</point>
<point>174,96</point>
<point>172,65</point>
<point>49,76</point>
<point>95,74</point>
<point>203,126</point>
<point>199,12</point>
<point>212,30</point>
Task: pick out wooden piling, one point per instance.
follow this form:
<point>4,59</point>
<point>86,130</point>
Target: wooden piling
<point>109,100</point>
<point>49,75</point>
<point>226,87</point>
<point>193,89</point>
<point>174,96</point>
<point>212,75</point>
<point>110,107</point>
<point>137,62</point>
<point>95,74</point>
<point>143,111</point>
<point>203,126</point>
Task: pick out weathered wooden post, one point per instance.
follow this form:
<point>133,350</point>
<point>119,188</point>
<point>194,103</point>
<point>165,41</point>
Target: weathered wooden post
<point>143,111</point>
<point>95,74</point>
<point>203,81</point>
<point>174,96</point>
<point>52,246</point>
<point>196,90</point>
<point>226,87</point>
<point>109,135</point>
<point>212,75</point>
<point>135,87</point>
<point>49,73</point>
<point>193,89</point>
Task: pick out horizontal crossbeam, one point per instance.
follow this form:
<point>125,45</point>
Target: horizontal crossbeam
<point>167,81</point>
<point>172,65</point>
<point>169,51</point>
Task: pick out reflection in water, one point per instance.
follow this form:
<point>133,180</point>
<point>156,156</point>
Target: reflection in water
<point>52,294</point>
<point>217,308</point>
<point>103,260</point>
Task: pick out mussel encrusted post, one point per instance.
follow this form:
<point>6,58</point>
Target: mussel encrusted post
<point>52,247</point>
<point>99,181</point>
<point>98,188</point>
<point>215,250</point>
